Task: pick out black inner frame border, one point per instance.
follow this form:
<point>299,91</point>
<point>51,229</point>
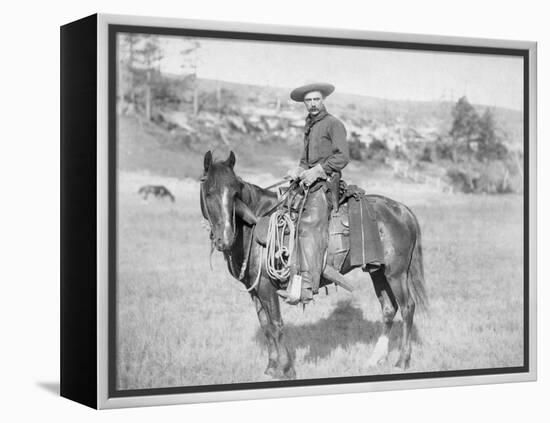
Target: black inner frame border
<point>113,30</point>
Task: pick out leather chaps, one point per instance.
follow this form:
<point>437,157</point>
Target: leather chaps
<point>313,237</point>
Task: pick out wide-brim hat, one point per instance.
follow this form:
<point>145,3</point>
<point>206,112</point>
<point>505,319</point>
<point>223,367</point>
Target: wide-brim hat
<point>299,93</point>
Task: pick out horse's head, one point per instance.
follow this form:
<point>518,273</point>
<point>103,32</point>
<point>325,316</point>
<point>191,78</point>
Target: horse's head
<point>221,203</point>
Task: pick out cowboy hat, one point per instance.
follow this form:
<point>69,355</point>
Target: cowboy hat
<point>299,93</point>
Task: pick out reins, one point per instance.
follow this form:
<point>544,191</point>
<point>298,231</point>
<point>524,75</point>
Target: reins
<point>276,184</point>
<point>281,200</point>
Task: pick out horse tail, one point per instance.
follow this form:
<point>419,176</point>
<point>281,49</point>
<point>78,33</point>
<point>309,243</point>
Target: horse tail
<point>415,274</point>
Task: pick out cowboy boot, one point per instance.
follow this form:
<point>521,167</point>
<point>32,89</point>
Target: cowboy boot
<point>332,275</point>
<point>299,290</point>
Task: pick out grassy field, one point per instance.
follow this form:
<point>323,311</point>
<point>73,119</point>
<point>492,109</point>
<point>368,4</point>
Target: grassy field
<point>180,323</point>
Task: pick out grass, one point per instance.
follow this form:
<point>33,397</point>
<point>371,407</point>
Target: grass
<point>181,324</point>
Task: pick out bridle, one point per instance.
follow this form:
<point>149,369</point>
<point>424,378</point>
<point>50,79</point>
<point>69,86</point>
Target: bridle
<point>228,254</point>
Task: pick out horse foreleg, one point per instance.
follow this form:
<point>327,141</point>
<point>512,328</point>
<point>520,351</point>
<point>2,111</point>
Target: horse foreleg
<point>385,295</point>
<point>265,323</point>
<point>280,363</point>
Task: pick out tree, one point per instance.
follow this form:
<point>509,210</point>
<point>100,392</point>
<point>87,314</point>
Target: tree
<point>141,85</point>
<point>189,55</point>
<point>466,122</point>
<point>139,63</point>
<point>126,72</point>
<point>149,56</point>
<point>487,134</point>
<point>490,147</point>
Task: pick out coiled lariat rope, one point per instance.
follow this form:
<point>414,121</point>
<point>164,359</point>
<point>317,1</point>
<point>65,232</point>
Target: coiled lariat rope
<point>277,257</point>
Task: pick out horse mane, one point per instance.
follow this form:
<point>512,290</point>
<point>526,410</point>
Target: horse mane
<point>255,197</point>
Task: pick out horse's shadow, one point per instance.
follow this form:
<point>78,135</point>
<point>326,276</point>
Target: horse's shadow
<point>344,327</point>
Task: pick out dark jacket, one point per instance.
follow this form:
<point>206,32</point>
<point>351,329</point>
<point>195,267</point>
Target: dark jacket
<point>325,143</point>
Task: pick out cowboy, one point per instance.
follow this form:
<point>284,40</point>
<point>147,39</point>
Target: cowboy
<point>325,154</point>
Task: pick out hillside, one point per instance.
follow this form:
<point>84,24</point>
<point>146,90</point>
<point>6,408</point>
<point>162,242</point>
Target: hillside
<point>402,139</point>
<point>359,109</point>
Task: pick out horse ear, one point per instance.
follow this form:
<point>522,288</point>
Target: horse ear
<point>231,160</point>
<point>207,160</point>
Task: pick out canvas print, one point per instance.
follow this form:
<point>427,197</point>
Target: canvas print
<point>291,211</point>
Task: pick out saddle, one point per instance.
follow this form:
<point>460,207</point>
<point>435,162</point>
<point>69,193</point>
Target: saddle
<point>353,230</point>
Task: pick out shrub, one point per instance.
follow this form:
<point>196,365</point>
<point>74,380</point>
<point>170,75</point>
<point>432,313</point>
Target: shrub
<point>427,155</point>
<point>493,177</point>
<point>461,180</point>
<point>355,150</point>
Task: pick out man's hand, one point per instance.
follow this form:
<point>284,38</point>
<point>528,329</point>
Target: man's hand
<point>294,174</point>
<point>311,175</point>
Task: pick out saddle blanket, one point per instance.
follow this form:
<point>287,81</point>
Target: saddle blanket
<point>365,243</point>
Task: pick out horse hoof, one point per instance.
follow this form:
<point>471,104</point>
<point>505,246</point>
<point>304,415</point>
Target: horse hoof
<point>374,362</point>
<point>271,371</point>
<point>401,365</point>
<point>277,373</point>
<point>290,373</point>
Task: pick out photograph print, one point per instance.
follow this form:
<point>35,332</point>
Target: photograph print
<point>304,210</point>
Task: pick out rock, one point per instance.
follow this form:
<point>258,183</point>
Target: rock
<point>177,118</point>
<point>237,122</point>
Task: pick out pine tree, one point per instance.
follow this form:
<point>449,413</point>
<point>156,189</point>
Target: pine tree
<point>149,56</point>
<point>189,56</point>
<point>466,122</point>
<point>127,95</point>
<point>490,146</point>
<point>487,135</point>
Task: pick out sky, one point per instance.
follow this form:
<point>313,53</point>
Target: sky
<point>394,74</point>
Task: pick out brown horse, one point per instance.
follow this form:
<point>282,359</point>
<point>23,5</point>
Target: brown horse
<point>227,202</point>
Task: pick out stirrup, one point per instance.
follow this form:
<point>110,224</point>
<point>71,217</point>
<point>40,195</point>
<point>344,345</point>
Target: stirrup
<point>294,294</point>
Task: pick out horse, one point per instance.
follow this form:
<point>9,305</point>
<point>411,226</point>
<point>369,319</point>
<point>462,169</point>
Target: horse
<point>159,191</point>
<point>228,202</point>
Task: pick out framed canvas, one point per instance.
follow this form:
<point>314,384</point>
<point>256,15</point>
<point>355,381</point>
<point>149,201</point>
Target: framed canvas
<point>253,211</point>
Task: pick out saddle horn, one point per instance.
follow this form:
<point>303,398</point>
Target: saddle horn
<point>244,212</point>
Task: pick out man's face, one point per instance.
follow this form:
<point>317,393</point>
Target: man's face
<point>314,102</point>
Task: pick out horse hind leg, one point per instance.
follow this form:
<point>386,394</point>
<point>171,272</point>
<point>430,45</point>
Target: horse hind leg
<point>385,295</point>
<point>408,306</point>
